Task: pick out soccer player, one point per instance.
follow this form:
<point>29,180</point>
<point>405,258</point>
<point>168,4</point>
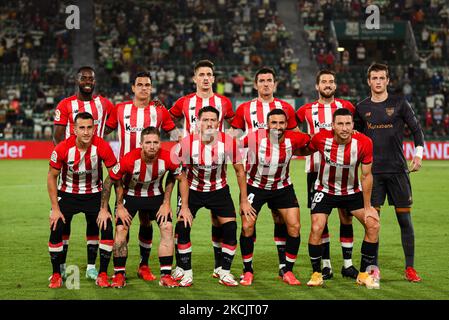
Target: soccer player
<point>251,116</point>
<point>138,183</point>
<point>131,118</point>
<point>382,117</point>
<point>99,107</point>
<point>77,161</point>
<point>187,108</point>
<point>205,155</point>
<point>318,116</point>
<point>268,159</point>
<point>337,186</point>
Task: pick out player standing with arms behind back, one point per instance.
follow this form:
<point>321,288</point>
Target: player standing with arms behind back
<point>382,117</point>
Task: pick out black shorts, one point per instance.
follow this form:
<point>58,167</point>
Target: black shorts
<point>71,204</point>
<point>396,186</point>
<point>324,202</point>
<point>145,205</point>
<point>219,202</point>
<point>276,199</point>
<point>311,178</point>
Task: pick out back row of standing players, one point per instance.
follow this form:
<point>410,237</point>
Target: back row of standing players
<point>382,118</point>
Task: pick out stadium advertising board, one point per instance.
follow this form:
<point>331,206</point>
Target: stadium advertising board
<point>353,30</point>
<point>433,150</point>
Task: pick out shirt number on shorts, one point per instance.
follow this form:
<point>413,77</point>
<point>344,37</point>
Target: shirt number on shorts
<point>251,198</point>
<point>318,197</point>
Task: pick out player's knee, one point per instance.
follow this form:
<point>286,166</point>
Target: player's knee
<point>293,229</point>
<point>166,229</point>
<point>373,226</point>
<point>121,233</point>
<point>230,232</point>
<point>317,228</point>
<point>247,228</point>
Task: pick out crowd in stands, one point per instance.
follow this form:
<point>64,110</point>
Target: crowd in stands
<point>422,76</point>
<point>34,55</point>
<point>167,37</point>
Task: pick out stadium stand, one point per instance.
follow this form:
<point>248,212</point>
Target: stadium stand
<point>167,37</point>
<point>35,51</point>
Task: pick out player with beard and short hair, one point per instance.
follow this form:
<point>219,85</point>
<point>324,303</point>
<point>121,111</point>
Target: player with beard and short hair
<point>100,108</point>
<point>318,116</point>
<point>269,154</point>
<point>251,116</point>
<point>130,118</point>
<point>343,151</point>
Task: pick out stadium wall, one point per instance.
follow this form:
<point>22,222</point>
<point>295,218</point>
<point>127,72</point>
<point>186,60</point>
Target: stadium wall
<point>30,149</point>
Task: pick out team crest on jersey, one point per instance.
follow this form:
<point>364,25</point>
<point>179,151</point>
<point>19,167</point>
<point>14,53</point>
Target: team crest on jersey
<point>116,168</point>
<point>389,111</point>
<point>315,113</point>
<point>54,157</point>
<point>368,114</point>
<point>57,115</point>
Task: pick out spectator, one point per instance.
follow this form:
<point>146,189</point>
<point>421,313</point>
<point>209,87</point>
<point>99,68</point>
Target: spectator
<point>8,132</point>
<point>361,53</point>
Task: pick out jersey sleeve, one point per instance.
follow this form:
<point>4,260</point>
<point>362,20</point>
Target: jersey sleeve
<point>176,110</point>
<point>348,105</point>
<point>314,143</point>
<point>291,116</point>
<point>61,113</point>
<point>228,110</point>
<point>301,140</point>
<point>107,154</point>
<point>174,166</point>
<point>119,170</point>
<point>367,151</point>
<point>413,123</point>
<point>167,122</point>
<point>109,106</point>
<point>112,121</point>
<point>239,120</point>
<point>301,113</point>
<point>58,155</point>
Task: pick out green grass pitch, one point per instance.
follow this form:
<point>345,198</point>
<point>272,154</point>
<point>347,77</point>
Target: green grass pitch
<point>25,264</point>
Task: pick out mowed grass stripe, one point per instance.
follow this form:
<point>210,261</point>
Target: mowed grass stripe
<point>26,265</point>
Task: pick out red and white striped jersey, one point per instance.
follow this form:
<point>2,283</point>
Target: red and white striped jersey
<point>66,111</point>
<point>187,107</point>
<point>143,179</point>
<point>338,172</point>
<point>252,115</point>
<point>318,116</point>
<point>81,172</point>
<point>268,163</point>
<point>131,120</point>
<point>206,163</point>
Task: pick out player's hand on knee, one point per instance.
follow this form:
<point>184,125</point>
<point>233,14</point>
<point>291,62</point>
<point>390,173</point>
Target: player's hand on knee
<point>55,215</point>
<point>163,213</point>
<point>186,215</point>
<point>247,210</point>
<point>124,215</point>
<point>102,219</point>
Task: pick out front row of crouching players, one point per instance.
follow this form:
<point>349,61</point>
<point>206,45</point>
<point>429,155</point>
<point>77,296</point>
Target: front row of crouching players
<point>138,177</point>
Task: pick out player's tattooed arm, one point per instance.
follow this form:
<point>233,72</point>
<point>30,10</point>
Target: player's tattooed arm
<point>106,193</point>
